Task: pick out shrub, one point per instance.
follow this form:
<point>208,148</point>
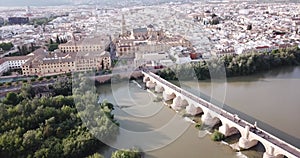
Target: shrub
<point>41,78</point>
<point>133,153</point>
<point>8,83</point>
<point>96,155</point>
<point>217,136</point>
<point>198,125</point>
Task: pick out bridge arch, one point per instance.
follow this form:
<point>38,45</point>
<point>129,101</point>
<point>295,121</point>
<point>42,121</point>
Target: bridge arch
<point>168,96</point>
<point>193,110</point>
<point>271,151</point>
<point>281,156</point>
<point>150,84</point>
<point>176,105</point>
<point>259,147</point>
<point>216,123</point>
<point>252,144</point>
<point>159,89</point>
<point>146,78</point>
<point>228,130</point>
<point>184,103</point>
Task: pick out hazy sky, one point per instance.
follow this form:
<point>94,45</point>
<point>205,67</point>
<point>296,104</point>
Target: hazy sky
<point>32,2</point>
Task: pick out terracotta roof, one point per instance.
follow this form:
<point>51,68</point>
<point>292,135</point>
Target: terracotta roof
<point>2,61</point>
<point>16,58</point>
<point>103,40</point>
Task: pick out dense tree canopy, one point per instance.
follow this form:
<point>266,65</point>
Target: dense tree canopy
<point>51,126</point>
<point>229,65</point>
<point>6,46</point>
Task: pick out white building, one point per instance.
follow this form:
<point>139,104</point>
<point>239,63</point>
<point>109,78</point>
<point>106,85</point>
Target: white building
<point>142,58</point>
<point>180,54</point>
<point>3,66</point>
<point>16,62</point>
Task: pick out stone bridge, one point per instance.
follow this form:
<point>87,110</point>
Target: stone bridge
<point>212,114</point>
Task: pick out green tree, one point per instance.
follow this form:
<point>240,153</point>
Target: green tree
<point>27,91</point>
<point>96,155</point>
<point>11,98</point>
<point>52,47</point>
<point>126,154</point>
<point>6,46</point>
<point>51,41</point>
<point>57,40</point>
<point>63,86</point>
<point>51,126</point>
<point>24,49</point>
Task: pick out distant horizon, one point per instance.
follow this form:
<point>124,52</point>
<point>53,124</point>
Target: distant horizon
<point>38,3</point>
<point>22,3</point>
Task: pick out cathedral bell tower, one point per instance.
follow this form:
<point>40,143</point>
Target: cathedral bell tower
<point>123,27</point>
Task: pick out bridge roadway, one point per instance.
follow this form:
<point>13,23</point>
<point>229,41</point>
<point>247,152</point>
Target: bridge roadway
<point>229,116</point>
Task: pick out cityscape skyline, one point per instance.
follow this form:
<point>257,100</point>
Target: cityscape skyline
<point>106,78</point>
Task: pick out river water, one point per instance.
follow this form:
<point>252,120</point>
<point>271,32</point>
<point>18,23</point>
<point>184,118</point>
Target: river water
<point>271,98</point>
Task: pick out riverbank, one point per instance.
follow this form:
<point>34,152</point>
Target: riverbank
<point>232,66</point>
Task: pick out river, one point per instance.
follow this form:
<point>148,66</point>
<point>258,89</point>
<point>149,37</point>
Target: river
<point>271,98</point>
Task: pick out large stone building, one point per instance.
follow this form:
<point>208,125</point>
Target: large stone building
<point>147,39</point>
<point>85,61</point>
<point>87,44</point>
<point>50,63</point>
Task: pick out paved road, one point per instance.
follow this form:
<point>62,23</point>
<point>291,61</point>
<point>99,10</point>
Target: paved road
<point>9,52</point>
<point>4,90</point>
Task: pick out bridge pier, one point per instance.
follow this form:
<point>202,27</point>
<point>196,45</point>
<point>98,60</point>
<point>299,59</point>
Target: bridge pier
<point>150,84</point>
<point>167,96</point>
<point>227,131</point>
<point>159,89</point>
<point>270,153</point>
<point>192,110</point>
<point>244,141</point>
<point>208,119</point>
<point>145,79</point>
<point>176,103</point>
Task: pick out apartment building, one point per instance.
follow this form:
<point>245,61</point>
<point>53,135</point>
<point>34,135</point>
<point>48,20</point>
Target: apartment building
<point>92,60</point>
<point>12,63</point>
<point>86,44</point>
<point>51,63</point>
